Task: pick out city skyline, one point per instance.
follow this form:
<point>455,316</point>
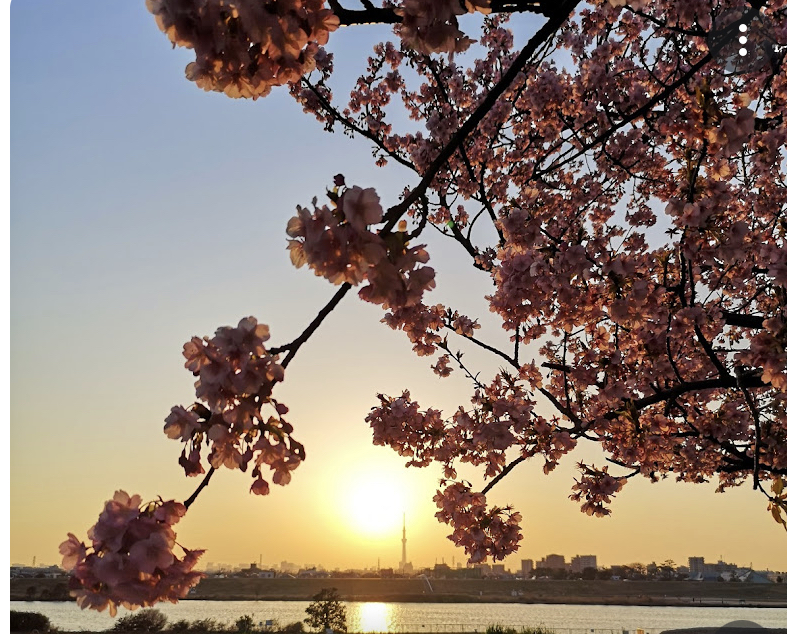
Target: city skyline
<point>547,559</point>
<point>576,563</point>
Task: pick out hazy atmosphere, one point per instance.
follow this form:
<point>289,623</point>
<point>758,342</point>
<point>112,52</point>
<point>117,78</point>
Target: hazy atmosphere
<point>145,211</point>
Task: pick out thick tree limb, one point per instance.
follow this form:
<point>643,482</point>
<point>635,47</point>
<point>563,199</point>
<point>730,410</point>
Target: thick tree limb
<point>742,321</point>
<point>375,15</point>
<point>726,382</point>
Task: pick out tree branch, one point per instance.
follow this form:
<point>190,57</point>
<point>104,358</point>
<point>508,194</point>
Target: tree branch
<point>647,107</point>
<point>742,321</point>
<point>354,127</point>
<point>292,347</point>
<point>749,380</point>
<point>201,486</point>
<point>486,346</point>
<point>506,470</point>
<point>757,431</point>
<point>375,15</point>
<point>542,35</point>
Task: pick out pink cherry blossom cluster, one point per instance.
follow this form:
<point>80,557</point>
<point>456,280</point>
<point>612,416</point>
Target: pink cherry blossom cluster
<point>245,47</point>
<point>430,26</point>
<point>336,244</point>
<point>416,435</point>
<point>733,132</point>
<point>768,351</point>
<point>502,417</point>
<point>236,375</point>
<point>421,323</point>
<point>441,368</point>
<point>482,531</point>
<point>594,489</point>
<point>233,368</point>
<point>398,280</point>
<point>464,325</point>
<point>649,344</point>
<point>130,560</point>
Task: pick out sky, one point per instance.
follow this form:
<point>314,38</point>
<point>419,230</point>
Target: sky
<point>145,211</point>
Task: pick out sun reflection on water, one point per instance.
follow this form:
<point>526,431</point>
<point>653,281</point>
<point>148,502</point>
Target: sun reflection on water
<point>374,617</point>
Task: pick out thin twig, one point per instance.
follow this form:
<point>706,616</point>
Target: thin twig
<point>486,346</point>
<point>506,470</point>
<point>201,486</point>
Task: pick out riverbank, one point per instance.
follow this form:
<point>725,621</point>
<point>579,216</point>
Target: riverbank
<point>696,630</point>
<point>728,629</point>
<point>416,590</point>
<point>435,618</point>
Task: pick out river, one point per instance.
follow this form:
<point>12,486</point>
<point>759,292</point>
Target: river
<point>436,617</point>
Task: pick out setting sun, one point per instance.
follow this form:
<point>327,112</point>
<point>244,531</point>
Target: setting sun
<point>375,505</point>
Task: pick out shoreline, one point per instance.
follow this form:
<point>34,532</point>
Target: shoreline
<point>646,602</point>
<point>415,590</point>
<point>611,601</point>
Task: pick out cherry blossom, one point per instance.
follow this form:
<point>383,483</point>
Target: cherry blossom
<point>464,325</point>
<point>441,368</point>
<point>235,379</point>
<point>337,245</point>
<point>361,207</point>
<point>421,323</point>
<point>594,489</point>
<point>244,48</point>
<point>130,560</point>
<point>618,187</point>
<point>430,26</point>
<point>482,531</point>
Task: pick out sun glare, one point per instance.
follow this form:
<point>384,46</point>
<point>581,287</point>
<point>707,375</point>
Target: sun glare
<point>374,617</point>
<point>375,505</point>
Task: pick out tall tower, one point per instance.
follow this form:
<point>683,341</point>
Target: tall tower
<point>403,564</point>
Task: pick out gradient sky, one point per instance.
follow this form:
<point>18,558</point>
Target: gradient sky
<point>145,211</point>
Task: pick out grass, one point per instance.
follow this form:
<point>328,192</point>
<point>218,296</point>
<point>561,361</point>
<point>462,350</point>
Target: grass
<point>455,590</point>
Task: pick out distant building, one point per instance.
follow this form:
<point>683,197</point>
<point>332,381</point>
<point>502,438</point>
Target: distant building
<point>499,570</point>
<point>696,567</point>
<point>580,562</point>
<point>255,571</point>
<point>48,572</point>
<point>288,567</point>
<point>553,562</point>
<point>527,568</point>
<point>754,576</point>
<point>471,572</point>
<point>710,572</point>
<point>723,566</point>
<point>485,569</point>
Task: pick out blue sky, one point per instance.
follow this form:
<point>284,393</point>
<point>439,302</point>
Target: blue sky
<point>145,211</point>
